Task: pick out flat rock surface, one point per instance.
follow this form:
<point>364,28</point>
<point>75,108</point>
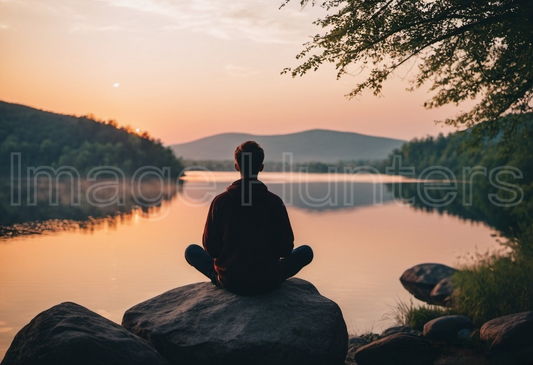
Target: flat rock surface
<point>69,334</point>
<point>510,338</point>
<point>202,324</point>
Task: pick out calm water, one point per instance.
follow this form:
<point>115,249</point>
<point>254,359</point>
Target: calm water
<point>361,249</point>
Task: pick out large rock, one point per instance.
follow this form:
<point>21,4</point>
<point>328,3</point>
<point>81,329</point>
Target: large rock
<point>202,324</point>
<point>447,328</point>
<point>421,279</point>
<point>68,334</point>
<point>397,349</point>
<point>510,338</point>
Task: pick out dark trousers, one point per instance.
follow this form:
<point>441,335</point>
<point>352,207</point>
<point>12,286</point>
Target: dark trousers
<point>197,257</point>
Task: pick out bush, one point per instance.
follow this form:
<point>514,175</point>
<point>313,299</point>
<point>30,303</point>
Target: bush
<point>423,314</point>
<point>495,286</point>
<point>406,314</point>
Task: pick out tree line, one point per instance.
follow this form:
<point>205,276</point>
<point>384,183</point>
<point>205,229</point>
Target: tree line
<point>49,139</point>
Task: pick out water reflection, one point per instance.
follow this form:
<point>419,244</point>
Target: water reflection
<point>84,205</point>
<point>469,202</point>
<point>360,251</point>
<point>310,196</point>
<point>62,205</point>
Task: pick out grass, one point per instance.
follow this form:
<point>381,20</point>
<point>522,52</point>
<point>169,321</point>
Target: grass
<point>497,284</point>
<point>407,314</point>
<point>493,287</point>
<point>487,287</point>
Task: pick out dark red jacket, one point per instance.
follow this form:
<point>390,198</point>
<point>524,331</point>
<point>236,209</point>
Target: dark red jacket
<point>247,231</point>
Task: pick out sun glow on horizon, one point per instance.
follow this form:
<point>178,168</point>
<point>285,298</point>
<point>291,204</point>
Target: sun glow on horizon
<point>187,77</point>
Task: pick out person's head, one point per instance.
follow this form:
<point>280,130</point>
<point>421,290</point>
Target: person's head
<point>249,158</point>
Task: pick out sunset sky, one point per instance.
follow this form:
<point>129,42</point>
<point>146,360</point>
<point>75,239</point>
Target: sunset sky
<point>186,69</point>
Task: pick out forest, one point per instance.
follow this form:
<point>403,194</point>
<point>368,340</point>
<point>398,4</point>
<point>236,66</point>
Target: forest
<point>465,150</point>
<point>49,139</point>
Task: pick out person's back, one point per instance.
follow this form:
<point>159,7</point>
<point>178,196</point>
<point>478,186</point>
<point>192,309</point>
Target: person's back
<point>248,239</point>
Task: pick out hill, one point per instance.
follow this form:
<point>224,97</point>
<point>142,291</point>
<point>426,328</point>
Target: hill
<point>50,139</point>
<point>313,145</point>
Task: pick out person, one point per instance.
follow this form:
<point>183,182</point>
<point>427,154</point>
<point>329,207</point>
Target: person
<point>248,242</point>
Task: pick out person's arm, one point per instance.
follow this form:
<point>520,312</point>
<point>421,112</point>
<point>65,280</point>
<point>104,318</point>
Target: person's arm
<point>212,239</point>
<point>287,236</point>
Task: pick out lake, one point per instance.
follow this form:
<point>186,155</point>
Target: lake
<point>362,236</point>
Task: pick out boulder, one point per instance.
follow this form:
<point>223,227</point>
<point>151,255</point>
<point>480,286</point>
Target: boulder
<point>398,349</point>
<point>442,292</point>
<point>421,279</point>
<point>510,338</point>
<point>69,334</point>
<point>447,328</point>
<point>202,324</point>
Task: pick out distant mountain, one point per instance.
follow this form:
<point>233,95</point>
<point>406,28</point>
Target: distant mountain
<point>314,145</point>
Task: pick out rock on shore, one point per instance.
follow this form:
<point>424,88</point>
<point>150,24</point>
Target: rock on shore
<point>429,283</point>
<point>399,348</point>
<point>510,338</point>
<point>447,328</point>
<point>201,324</point>
<point>68,334</point>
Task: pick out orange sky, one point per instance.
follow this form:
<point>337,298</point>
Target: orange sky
<point>191,68</point>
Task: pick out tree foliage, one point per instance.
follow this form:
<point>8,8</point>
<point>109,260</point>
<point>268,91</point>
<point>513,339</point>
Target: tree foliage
<point>55,140</point>
<point>452,153</point>
<point>452,150</point>
<point>466,49</point>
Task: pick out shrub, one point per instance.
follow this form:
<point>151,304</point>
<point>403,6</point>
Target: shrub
<point>407,314</point>
<point>495,286</point>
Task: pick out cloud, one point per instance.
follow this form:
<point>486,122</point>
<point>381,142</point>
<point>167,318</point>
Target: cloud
<point>257,20</point>
<point>240,71</point>
<point>147,6</point>
<point>54,7</point>
<point>85,28</point>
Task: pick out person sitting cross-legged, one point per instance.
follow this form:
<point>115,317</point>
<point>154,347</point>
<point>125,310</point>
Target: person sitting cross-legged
<point>248,242</point>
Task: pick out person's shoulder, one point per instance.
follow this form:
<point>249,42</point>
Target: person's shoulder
<point>274,198</point>
<point>222,197</point>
